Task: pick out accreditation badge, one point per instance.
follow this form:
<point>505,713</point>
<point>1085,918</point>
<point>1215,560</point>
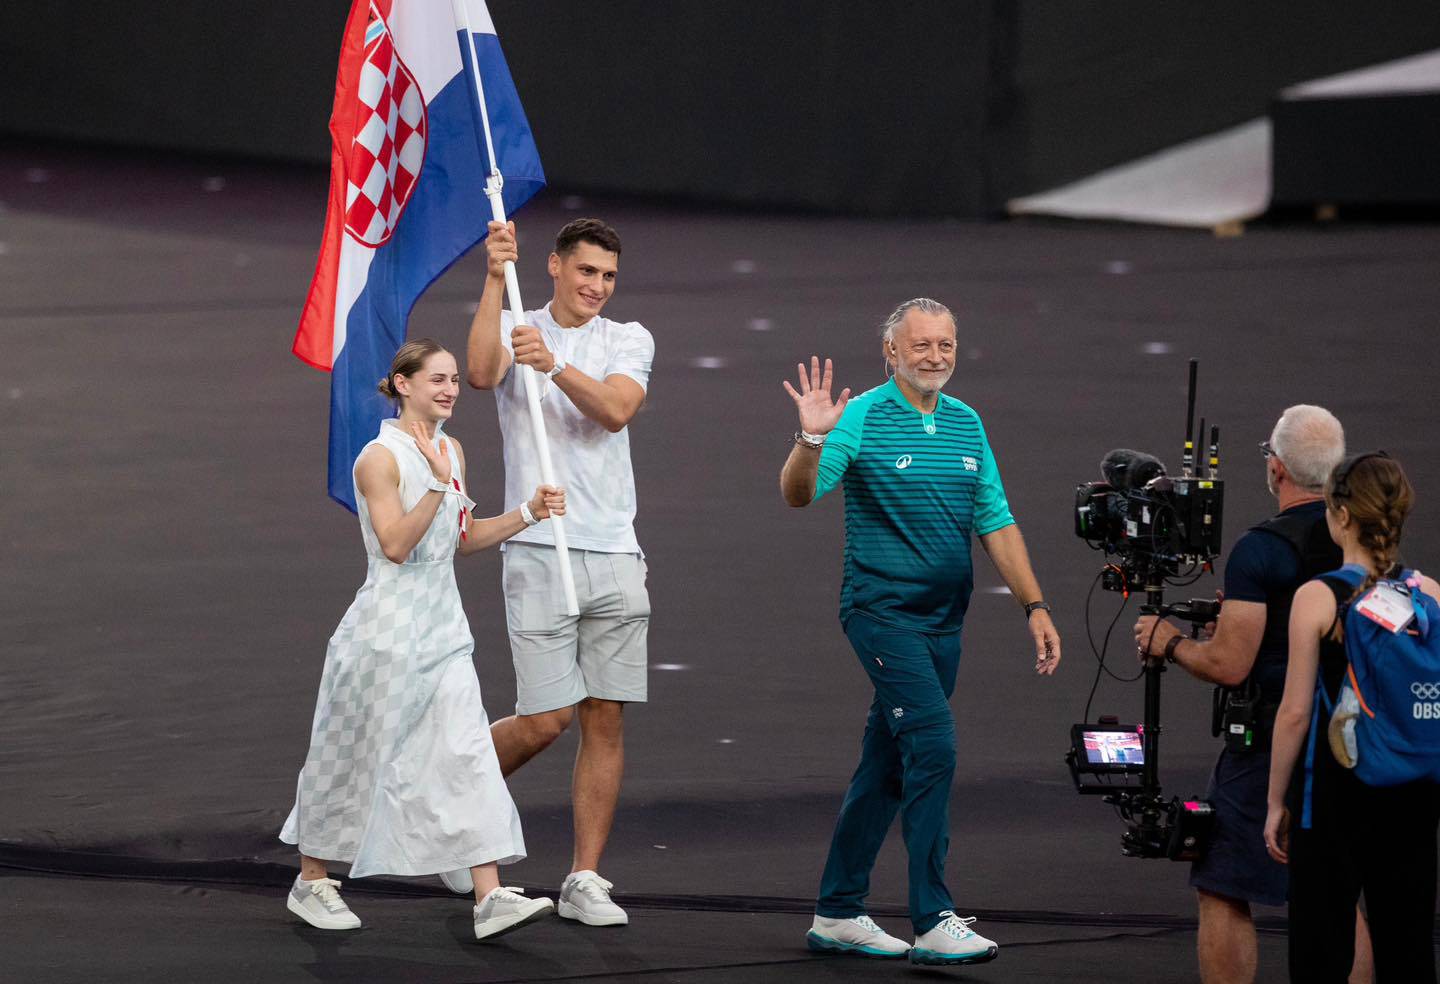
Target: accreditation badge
<point>1387,605</point>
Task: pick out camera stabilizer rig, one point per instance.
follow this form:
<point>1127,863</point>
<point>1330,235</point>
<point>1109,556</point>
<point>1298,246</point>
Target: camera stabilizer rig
<point>1160,531</point>
<point>1156,827</point>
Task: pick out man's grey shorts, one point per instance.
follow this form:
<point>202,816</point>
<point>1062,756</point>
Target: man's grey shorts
<point>561,659</point>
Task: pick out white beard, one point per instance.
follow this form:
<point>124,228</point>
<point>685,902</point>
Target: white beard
<point>922,385</point>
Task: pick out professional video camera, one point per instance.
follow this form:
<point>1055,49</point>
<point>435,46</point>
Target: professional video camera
<point>1158,525</point>
<point>1160,531</point>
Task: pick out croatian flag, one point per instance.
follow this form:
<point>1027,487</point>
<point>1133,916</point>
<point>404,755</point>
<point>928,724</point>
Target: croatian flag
<point>408,168</point>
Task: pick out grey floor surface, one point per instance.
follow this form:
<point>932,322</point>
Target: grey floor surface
<point>173,566</point>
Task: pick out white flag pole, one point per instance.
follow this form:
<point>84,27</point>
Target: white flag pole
<point>517,310</point>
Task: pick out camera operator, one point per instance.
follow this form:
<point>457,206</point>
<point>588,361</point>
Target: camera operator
<point>1245,657</point>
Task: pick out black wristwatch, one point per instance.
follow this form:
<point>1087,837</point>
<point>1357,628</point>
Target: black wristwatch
<point>1036,606</point>
<point>1171,646</point>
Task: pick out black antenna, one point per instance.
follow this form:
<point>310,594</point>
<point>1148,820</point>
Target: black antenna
<point>1200,452</point>
<point>1215,451</point>
<point>1187,461</point>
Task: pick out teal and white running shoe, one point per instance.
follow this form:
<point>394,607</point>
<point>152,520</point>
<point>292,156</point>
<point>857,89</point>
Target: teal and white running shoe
<point>858,936</point>
<point>952,941</point>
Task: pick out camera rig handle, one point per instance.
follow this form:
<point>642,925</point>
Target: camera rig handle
<point>1196,611</point>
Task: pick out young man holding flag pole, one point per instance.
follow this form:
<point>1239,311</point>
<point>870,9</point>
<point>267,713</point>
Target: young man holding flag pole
<point>567,667</point>
<point>585,660</point>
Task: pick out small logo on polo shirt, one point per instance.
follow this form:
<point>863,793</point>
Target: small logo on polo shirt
<point>899,712</point>
<point>903,461</point>
<point>970,463</point>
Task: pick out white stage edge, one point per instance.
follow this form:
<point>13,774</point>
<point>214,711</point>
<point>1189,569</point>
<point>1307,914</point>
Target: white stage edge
<point>1220,179</point>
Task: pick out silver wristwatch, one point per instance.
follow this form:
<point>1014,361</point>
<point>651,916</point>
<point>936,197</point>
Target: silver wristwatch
<point>806,439</point>
<point>559,367</point>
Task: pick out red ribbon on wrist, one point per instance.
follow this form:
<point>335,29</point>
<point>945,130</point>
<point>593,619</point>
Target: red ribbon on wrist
<point>456,482</point>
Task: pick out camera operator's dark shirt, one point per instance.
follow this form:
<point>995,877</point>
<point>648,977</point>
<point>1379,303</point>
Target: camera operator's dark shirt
<point>1266,568</point>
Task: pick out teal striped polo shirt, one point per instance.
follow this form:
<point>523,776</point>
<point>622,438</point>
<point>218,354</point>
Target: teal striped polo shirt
<point>916,486</point>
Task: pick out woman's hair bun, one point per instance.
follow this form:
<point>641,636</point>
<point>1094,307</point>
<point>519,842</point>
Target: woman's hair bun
<point>407,362</point>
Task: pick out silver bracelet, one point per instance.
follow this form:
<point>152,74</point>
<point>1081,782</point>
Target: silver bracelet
<point>526,516</point>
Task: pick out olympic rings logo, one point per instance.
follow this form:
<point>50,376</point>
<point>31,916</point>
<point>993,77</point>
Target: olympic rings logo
<point>1425,691</point>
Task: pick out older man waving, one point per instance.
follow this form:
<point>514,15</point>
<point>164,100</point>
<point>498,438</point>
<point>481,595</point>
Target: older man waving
<point>919,479</point>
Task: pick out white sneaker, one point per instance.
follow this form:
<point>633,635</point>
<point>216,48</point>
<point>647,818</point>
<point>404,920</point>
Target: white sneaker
<point>458,881</point>
<point>506,909</point>
<point>952,941</point>
<point>585,896</point>
<point>858,935</point>
<point>319,903</point>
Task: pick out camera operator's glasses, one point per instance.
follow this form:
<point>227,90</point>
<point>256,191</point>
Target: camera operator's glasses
<point>1266,449</point>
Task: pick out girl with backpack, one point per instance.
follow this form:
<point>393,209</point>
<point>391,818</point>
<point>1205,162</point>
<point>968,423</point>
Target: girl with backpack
<point>1339,835</point>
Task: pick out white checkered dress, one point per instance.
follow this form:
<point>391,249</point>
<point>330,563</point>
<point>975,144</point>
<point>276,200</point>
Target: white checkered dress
<point>401,776</point>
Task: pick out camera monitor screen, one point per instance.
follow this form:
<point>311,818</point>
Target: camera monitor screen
<point>1108,748</point>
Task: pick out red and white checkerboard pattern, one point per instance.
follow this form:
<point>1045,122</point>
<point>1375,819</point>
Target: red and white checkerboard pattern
<point>389,147</point>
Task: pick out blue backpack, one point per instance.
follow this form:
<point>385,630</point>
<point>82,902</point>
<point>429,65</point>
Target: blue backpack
<point>1386,723</point>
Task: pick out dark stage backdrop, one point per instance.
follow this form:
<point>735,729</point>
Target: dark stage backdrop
<point>924,107</point>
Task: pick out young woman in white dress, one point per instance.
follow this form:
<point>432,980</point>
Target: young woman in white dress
<point>401,776</point>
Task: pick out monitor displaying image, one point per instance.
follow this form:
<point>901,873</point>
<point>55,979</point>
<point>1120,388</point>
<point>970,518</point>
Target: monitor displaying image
<point>1114,748</point>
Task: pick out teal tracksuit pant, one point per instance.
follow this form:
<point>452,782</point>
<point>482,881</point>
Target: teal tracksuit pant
<point>907,762</point>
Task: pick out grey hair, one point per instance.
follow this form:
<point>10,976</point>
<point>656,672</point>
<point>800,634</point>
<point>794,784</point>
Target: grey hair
<point>922,304</point>
<point>1310,442</point>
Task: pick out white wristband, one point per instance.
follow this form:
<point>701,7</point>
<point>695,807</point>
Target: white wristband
<point>526,515</point>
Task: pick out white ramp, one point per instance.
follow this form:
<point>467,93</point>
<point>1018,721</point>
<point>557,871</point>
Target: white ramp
<point>1419,73</point>
<point>1220,179</point>
<point>1202,183</point>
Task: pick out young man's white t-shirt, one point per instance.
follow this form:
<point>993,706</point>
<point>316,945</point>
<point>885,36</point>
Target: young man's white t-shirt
<point>591,463</point>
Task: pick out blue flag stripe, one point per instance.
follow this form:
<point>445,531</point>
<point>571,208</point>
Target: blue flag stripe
<point>443,220</point>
